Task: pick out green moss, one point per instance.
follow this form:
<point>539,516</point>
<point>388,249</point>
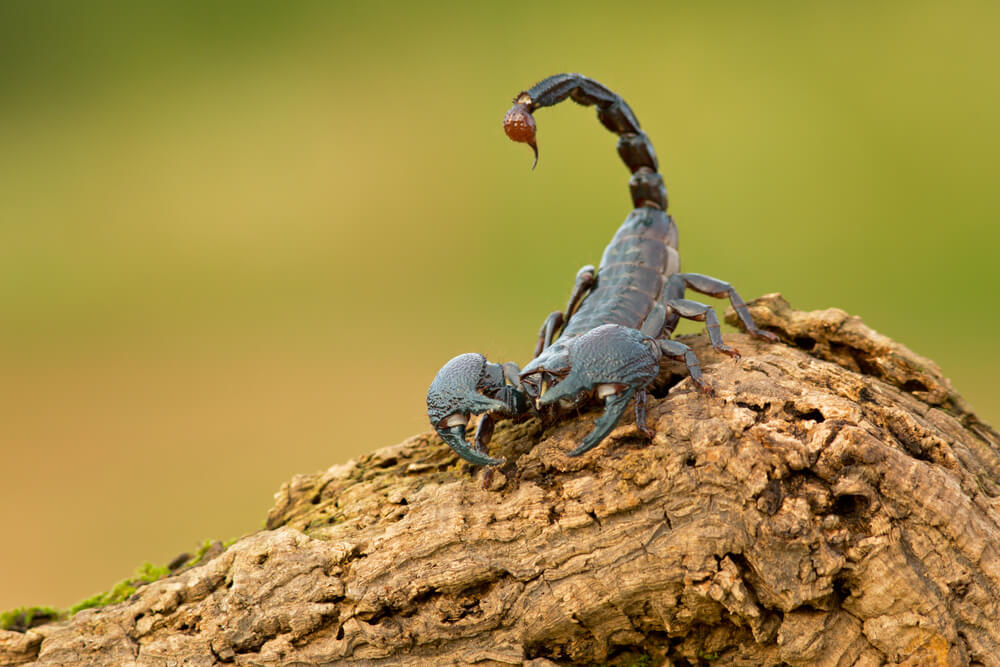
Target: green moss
<point>123,590</point>
<point>149,573</point>
<point>23,618</point>
<point>199,554</point>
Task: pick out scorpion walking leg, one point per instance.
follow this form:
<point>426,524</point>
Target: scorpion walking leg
<point>484,433</point>
<point>640,414</point>
<point>700,312</point>
<point>681,352</point>
<point>585,281</point>
<point>554,322</point>
<point>721,290</point>
<point>547,333</point>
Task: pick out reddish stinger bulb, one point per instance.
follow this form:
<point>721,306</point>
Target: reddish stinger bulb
<point>519,124</point>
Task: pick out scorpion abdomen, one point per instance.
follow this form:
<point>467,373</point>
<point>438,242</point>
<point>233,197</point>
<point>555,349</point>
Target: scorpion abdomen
<point>633,271</point>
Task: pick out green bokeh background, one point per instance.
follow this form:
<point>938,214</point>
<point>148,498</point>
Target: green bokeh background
<point>238,239</point>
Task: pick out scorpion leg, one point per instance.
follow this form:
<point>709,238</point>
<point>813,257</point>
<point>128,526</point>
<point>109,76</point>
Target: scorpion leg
<point>640,414</point>
<point>584,282</point>
<point>700,312</point>
<point>721,290</point>
<point>484,433</point>
<point>681,352</point>
<point>547,333</point>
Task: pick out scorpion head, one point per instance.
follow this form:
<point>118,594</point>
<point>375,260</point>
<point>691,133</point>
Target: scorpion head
<point>468,385</point>
<point>605,360</point>
<point>612,361</point>
<point>549,370</point>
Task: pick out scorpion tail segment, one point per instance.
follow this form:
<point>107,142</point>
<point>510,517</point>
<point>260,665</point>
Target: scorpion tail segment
<point>520,126</point>
<point>556,88</point>
<point>614,408</point>
<point>634,147</point>
<point>454,436</point>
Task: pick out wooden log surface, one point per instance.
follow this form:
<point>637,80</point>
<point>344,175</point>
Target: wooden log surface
<point>834,503</point>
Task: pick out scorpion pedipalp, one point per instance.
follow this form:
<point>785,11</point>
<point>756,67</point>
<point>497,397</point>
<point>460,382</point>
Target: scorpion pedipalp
<point>470,385</point>
<point>612,361</point>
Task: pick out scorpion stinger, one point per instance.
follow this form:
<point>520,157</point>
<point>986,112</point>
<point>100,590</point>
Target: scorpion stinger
<point>634,147</point>
<point>619,319</point>
<point>519,125</point>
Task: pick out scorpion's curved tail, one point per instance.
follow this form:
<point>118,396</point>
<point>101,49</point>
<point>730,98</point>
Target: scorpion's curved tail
<point>646,185</point>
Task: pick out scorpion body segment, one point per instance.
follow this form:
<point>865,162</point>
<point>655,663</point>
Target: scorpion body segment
<point>634,147</point>
<point>632,273</point>
<point>616,327</point>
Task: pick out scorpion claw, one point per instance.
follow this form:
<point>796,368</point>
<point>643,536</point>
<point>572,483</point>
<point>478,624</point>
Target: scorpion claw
<point>614,407</point>
<point>467,385</point>
<point>454,437</point>
<point>612,361</point>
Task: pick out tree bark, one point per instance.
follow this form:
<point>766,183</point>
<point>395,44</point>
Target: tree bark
<point>834,502</point>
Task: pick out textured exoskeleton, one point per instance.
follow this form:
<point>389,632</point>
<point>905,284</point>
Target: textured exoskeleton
<point>616,327</point>
<point>470,384</point>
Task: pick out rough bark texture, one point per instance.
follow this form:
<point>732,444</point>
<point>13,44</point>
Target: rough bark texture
<point>835,503</point>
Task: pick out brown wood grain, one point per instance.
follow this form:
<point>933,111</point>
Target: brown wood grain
<point>834,503</point>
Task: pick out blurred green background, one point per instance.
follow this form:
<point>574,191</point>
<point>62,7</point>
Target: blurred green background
<point>238,239</point>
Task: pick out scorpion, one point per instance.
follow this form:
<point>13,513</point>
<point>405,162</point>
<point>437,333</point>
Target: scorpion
<point>616,327</point>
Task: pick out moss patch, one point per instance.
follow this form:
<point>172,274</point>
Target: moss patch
<point>24,618</point>
<point>191,561</point>
<point>123,590</point>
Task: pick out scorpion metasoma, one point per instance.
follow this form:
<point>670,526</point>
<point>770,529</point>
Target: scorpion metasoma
<point>617,324</point>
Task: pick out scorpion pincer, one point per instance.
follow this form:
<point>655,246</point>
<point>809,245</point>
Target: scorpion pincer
<point>616,327</point>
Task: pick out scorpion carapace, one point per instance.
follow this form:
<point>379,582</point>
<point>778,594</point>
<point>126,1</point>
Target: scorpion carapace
<point>609,340</point>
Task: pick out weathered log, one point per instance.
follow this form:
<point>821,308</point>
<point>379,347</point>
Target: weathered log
<point>834,503</point>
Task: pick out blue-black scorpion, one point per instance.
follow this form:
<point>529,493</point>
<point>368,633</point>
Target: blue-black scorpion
<point>618,322</point>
